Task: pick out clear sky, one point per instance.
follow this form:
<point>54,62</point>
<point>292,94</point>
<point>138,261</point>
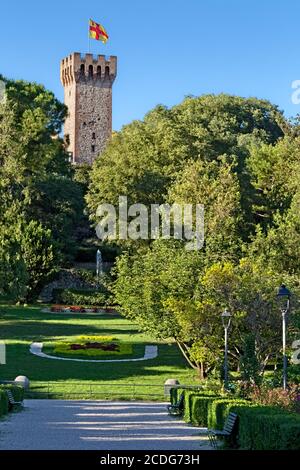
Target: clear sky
<point>166,49</point>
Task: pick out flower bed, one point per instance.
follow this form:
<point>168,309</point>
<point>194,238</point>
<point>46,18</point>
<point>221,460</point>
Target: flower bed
<point>80,309</point>
<point>93,346</point>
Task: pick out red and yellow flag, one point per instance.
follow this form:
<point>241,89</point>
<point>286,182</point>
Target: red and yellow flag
<point>97,32</point>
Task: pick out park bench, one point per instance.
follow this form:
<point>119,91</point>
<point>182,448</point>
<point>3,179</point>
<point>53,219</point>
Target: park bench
<point>11,400</point>
<point>227,431</point>
<point>177,408</point>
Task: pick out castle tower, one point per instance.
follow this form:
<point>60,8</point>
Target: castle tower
<point>87,83</point>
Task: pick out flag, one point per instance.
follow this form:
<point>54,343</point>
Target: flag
<point>97,32</point>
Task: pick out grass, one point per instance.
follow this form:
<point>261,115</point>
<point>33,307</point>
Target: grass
<point>20,326</point>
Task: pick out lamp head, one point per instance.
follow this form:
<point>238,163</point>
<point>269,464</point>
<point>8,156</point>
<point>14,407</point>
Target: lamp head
<point>226,318</point>
<point>283,296</point>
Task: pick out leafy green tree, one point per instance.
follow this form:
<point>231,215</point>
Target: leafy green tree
<point>38,254</point>
<point>144,158</point>
<point>249,364</point>
<point>38,196</point>
<point>171,293</point>
<point>13,272</point>
<point>216,186</point>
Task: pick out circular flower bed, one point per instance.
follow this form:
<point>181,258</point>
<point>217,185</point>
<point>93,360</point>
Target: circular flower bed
<point>92,346</point>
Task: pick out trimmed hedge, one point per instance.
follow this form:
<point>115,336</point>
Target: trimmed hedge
<point>3,402</point>
<point>79,297</point>
<point>176,392</point>
<point>217,411</point>
<point>199,406</point>
<point>190,414</point>
<point>266,428</point>
<point>18,394</point>
<point>17,391</point>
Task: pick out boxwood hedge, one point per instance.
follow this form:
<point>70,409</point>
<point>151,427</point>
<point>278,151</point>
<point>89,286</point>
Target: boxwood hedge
<point>266,428</point>
<point>217,411</point>
<point>18,394</point>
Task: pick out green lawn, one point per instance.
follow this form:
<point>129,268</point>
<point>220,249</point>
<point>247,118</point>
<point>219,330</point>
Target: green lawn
<point>20,326</point>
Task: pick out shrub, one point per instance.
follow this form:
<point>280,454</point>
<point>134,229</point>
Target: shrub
<point>79,297</point>
<point>176,392</point>
<point>17,391</point>
<point>199,409</point>
<point>217,411</point>
<point>266,427</point>
<point>286,399</point>
<point>189,411</point>
<point>18,394</point>
<point>3,402</point>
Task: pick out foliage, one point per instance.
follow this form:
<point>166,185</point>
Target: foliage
<point>283,399</point>
<point>17,391</point>
<point>249,364</point>
<point>38,254</point>
<point>217,411</point>
<point>266,428</point>
<point>35,182</point>
<point>3,402</point>
<point>80,297</point>
<point>199,135</point>
<point>199,406</point>
<point>182,298</point>
<point>18,394</point>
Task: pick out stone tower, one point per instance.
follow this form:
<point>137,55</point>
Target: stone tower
<point>87,82</point>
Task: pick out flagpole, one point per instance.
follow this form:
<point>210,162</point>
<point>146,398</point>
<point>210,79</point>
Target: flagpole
<point>89,40</point>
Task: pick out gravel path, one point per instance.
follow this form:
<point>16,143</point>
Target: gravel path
<point>98,425</point>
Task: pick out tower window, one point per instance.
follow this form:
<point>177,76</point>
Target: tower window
<point>107,71</point>
<point>93,148</point>
<point>93,135</point>
<point>82,69</point>
<point>91,71</point>
<point>99,71</point>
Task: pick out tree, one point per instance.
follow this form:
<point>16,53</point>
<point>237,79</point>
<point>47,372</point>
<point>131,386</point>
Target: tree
<point>38,196</point>
<point>215,185</point>
<point>171,293</point>
<point>38,254</point>
<point>144,158</point>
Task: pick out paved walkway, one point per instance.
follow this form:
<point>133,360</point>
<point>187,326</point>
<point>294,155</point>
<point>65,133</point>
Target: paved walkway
<point>98,425</point>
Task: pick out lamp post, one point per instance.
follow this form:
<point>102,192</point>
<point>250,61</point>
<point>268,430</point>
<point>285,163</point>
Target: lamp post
<point>226,320</point>
<point>283,296</point>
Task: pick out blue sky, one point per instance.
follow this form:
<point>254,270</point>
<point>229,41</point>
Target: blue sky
<point>166,49</point>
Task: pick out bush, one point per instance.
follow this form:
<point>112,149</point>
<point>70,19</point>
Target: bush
<point>284,399</point>
<point>17,391</point>
<point>18,394</point>
<point>79,297</point>
<point>217,411</point>
<point>176,392</point>
<point>3,402</point>
<point>190,415</point>
<point>199,409</point>
<point>266,428</point>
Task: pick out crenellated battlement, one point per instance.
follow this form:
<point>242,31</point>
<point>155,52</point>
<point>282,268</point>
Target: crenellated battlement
<point>88,68</point>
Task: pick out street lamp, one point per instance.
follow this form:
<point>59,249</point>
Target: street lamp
<point>226,320</point>
<point>283,296</point>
